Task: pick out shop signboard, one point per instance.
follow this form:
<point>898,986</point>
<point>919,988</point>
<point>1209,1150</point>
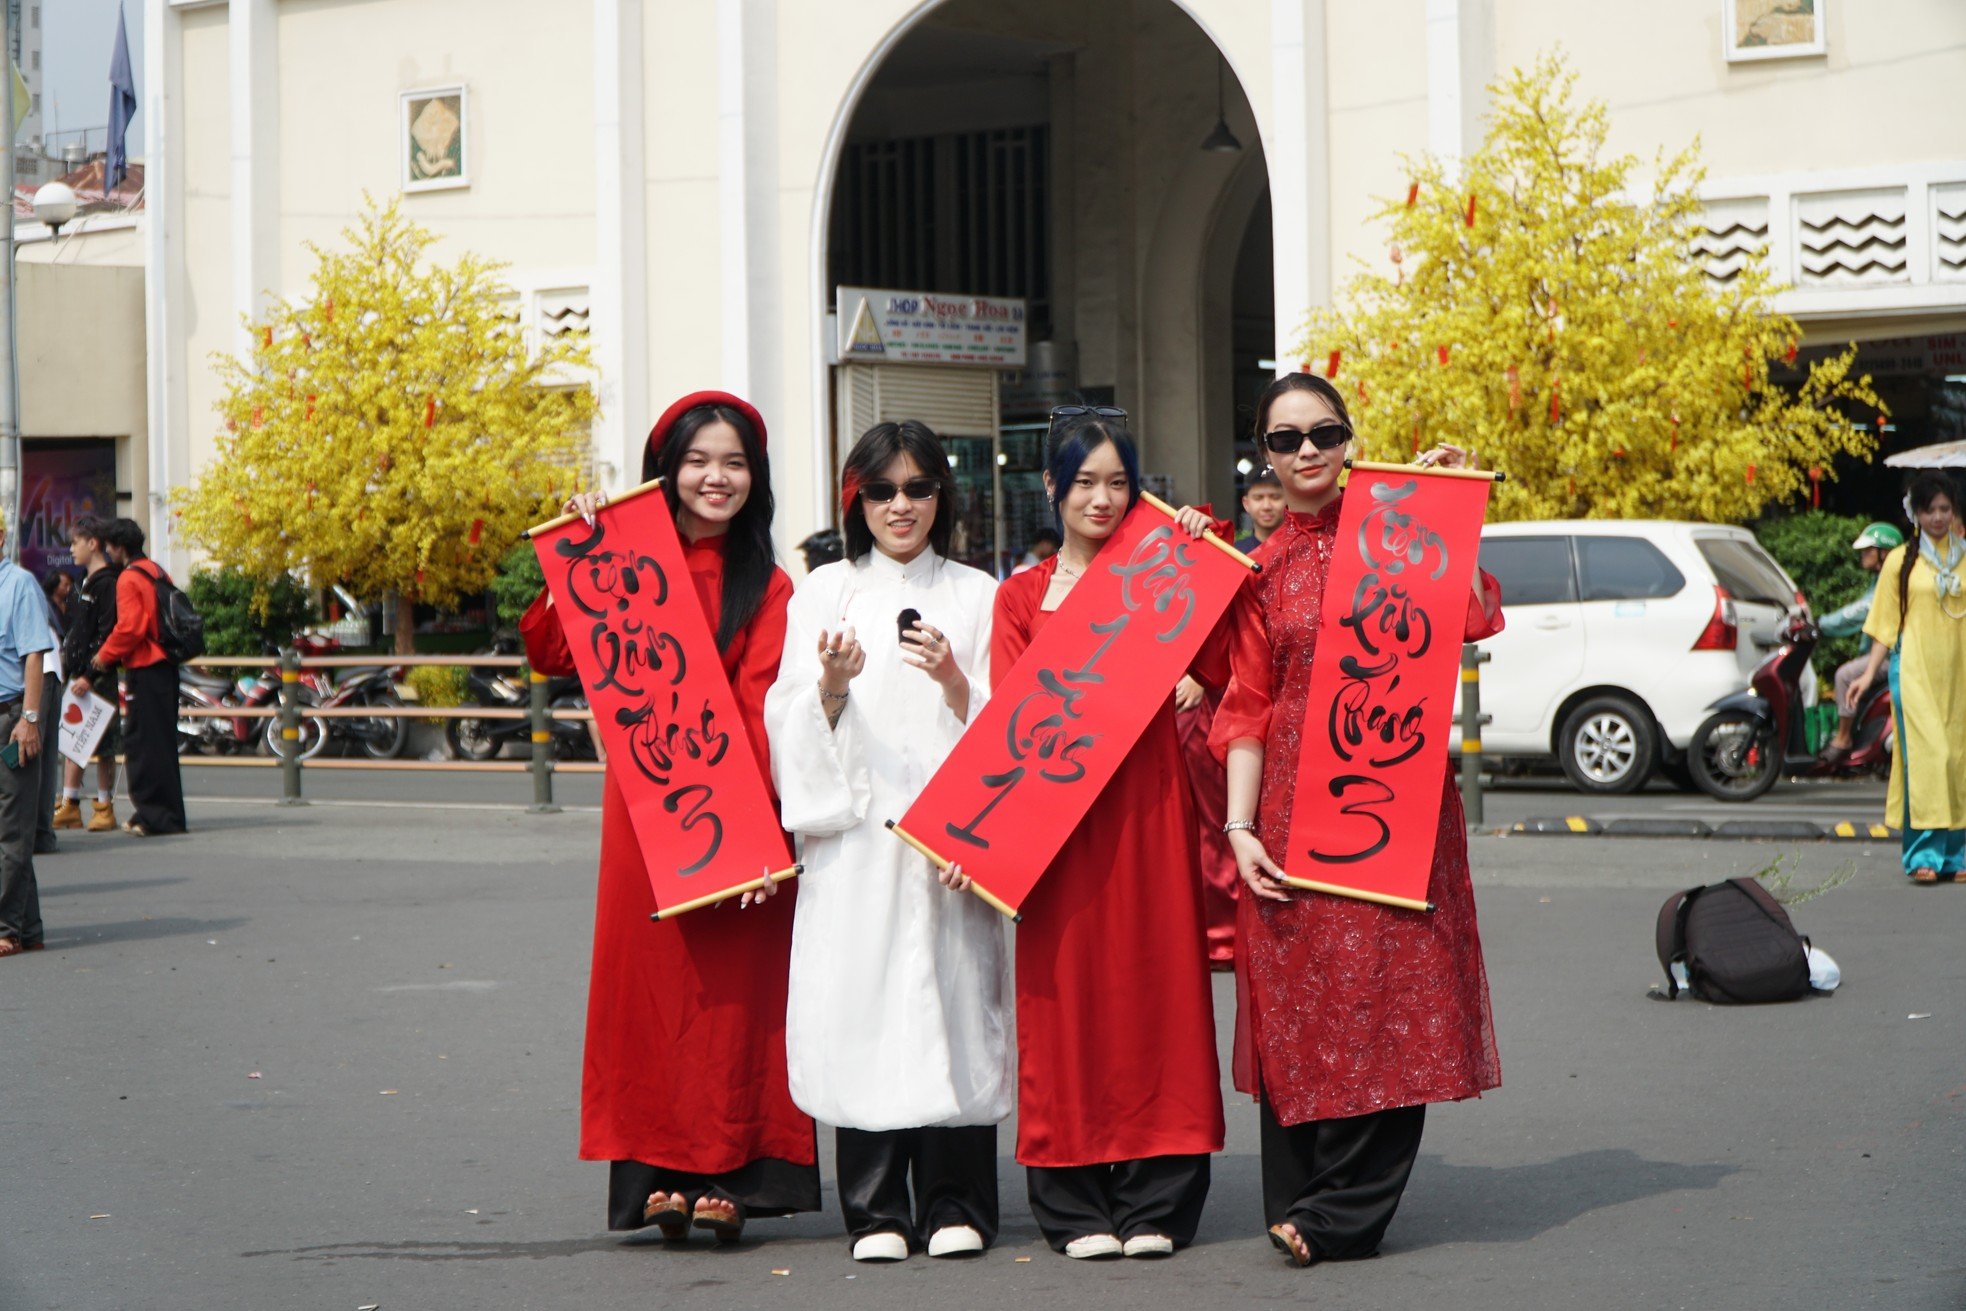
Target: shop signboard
<point>887,326</point>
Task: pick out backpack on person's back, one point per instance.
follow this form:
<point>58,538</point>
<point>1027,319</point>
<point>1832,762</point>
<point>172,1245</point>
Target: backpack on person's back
<point>180,628</point>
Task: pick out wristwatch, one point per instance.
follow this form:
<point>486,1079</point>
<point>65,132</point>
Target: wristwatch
<point>31,716</point>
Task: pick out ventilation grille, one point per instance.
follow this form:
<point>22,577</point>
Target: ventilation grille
<point>1949,233</point>
<point>1732,233</point>
<point>1850,238</point>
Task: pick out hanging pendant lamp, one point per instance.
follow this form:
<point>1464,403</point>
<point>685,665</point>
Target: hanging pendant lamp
<point>1221,141</point>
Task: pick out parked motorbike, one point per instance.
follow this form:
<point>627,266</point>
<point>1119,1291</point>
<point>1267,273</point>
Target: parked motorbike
<point>380,738</point>
<point>1755,737</point>
<point>482,739</point>
<point>220,690</point>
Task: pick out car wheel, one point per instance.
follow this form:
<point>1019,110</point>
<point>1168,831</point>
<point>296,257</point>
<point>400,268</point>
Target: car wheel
<point>1608,745</point>
<point>1734,756</point>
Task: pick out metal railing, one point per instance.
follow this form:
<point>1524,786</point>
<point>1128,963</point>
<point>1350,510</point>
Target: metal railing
<point>290,713</point>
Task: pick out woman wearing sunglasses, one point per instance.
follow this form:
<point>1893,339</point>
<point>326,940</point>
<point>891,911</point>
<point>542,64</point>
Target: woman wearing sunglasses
<point>896,1027</point>
<point>684,1086</point>
<point>1119,1098</point>
<point>1352,1017</point>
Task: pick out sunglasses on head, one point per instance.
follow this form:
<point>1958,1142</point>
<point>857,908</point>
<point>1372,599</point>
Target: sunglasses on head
<point>1073,411</point>
<point>1324,436</point>
<point>880,491</point>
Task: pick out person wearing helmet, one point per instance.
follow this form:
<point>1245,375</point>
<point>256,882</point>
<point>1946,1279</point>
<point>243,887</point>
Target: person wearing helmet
<point>1871,546</point>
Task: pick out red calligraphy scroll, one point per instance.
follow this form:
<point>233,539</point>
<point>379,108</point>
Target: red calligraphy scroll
<point>676,742</point>
<point>1061,720</point>
<point>1382,688</point>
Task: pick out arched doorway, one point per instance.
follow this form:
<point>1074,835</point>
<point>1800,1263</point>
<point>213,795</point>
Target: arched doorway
<point>1053,153</point>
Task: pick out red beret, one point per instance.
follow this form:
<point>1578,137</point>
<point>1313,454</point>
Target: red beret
<point>660,432</point>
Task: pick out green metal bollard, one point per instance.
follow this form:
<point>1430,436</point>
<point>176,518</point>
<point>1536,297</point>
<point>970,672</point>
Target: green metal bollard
<point>542,747</point>
<point>290,728</point>
<point>1472,659</point>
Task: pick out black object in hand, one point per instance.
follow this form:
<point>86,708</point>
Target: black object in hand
<point>907,619</point>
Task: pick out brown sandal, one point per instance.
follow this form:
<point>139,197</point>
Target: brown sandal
<point>1288,1241</point>
<point>721,1217</point>
<point>669,1213</point>
<point>1925,876</point>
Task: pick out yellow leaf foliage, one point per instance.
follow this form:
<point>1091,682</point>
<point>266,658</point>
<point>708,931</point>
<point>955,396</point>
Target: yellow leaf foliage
<point>1589,293</point>
<point>379,426</point>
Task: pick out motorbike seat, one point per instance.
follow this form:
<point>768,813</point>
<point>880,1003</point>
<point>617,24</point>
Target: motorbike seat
<point>200,678</point>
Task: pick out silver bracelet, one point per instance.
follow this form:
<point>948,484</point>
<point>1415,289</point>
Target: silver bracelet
<point>835,698</point>
<point>1240,825</point>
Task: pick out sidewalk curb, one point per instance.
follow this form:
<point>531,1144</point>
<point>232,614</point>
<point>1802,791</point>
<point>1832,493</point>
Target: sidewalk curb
<point>1748,830</point>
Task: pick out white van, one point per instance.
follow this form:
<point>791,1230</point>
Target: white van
<point>1620,634</point>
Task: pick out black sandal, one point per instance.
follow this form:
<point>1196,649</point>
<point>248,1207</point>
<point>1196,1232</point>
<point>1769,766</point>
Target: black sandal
<point>671,1217</point>
<point>1291,1244</point>
<point>728,1229</point>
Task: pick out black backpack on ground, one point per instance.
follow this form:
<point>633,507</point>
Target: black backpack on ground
<point>180,628</point>
<point>1736,942</point>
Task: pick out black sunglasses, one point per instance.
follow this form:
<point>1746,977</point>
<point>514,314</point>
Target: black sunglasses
<point>881,491</point>
<point>1324,436</point>
<point>1073,411</point>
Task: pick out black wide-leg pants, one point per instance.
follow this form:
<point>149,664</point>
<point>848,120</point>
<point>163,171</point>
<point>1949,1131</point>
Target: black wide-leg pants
<point>1339,1181</point>
<point>150,748</point>
<point>955,1178</point>
<point>1154,1195</point>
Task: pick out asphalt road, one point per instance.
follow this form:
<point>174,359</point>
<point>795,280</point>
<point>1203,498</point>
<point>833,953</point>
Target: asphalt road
<point>407,983</point>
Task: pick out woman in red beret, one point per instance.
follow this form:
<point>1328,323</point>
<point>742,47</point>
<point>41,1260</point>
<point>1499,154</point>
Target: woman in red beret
<point>684,1087</point>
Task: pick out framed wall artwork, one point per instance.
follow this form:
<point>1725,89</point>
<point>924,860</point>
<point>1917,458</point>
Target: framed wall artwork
<point>435,139</point>
<point>1771,29</point>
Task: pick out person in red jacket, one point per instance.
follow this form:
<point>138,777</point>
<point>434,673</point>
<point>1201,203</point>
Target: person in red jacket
<point>150,728</point>
<point>684,1089</point>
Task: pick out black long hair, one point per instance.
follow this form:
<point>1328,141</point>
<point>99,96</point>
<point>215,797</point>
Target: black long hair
<point>1925,489</point>
<point>877,448</point>
<point>747,542</point>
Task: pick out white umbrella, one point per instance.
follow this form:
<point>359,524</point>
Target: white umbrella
<point>1945,455</point>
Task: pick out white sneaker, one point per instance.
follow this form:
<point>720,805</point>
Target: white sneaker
<point>1150,1245</point>
<point>888,1246</point>
<point>1094,1247</point>
<point>955,1240</point>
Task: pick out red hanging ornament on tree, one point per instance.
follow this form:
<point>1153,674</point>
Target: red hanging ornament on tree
<point>1331,365</point>
<point>1556,406</point>
<point>477,530</point>
<point>1750,475</point>
<point>1675,430</point>
<point>1815,489</point>
<point>430,413</point>
<point>1412,193</point>
<point>1514,376</point>
<point>1471,209</point>
<point>1440,353</point>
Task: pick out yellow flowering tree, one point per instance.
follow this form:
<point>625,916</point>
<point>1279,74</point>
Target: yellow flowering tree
<point>391,433</point>
<point>1542,310</point>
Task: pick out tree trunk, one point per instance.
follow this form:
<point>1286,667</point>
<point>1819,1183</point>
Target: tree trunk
<point>405,624</point>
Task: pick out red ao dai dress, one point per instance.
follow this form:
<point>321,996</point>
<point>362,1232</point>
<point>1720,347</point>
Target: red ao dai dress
<point>684,1084</point>
<point>1351,1016</point>
<point>1119,1096</point>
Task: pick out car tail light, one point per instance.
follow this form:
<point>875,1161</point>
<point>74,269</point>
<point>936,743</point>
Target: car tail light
<point>1723,632</point>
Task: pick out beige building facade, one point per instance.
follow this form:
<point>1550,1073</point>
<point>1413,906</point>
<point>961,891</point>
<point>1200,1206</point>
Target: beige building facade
<point>688,183</point>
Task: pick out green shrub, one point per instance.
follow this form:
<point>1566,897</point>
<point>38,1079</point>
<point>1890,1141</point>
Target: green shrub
<point>438,686</point>
<point>243,614</point>
<point>518,581</point>
<point>1814,546</point>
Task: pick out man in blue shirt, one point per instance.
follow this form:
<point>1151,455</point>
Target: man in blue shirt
<point>25,639</point>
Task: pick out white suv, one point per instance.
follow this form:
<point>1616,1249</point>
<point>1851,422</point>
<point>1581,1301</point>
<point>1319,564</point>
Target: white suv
<point>1620,635</point>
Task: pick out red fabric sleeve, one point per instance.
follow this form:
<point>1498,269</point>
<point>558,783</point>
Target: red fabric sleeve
<point>136,620</point>
<point>1211,665</point>
<point>546,642</point>
<point>1485,609</point>
<point>1245,708</point>
<point>1010,624</point>
<point>760,649</point>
